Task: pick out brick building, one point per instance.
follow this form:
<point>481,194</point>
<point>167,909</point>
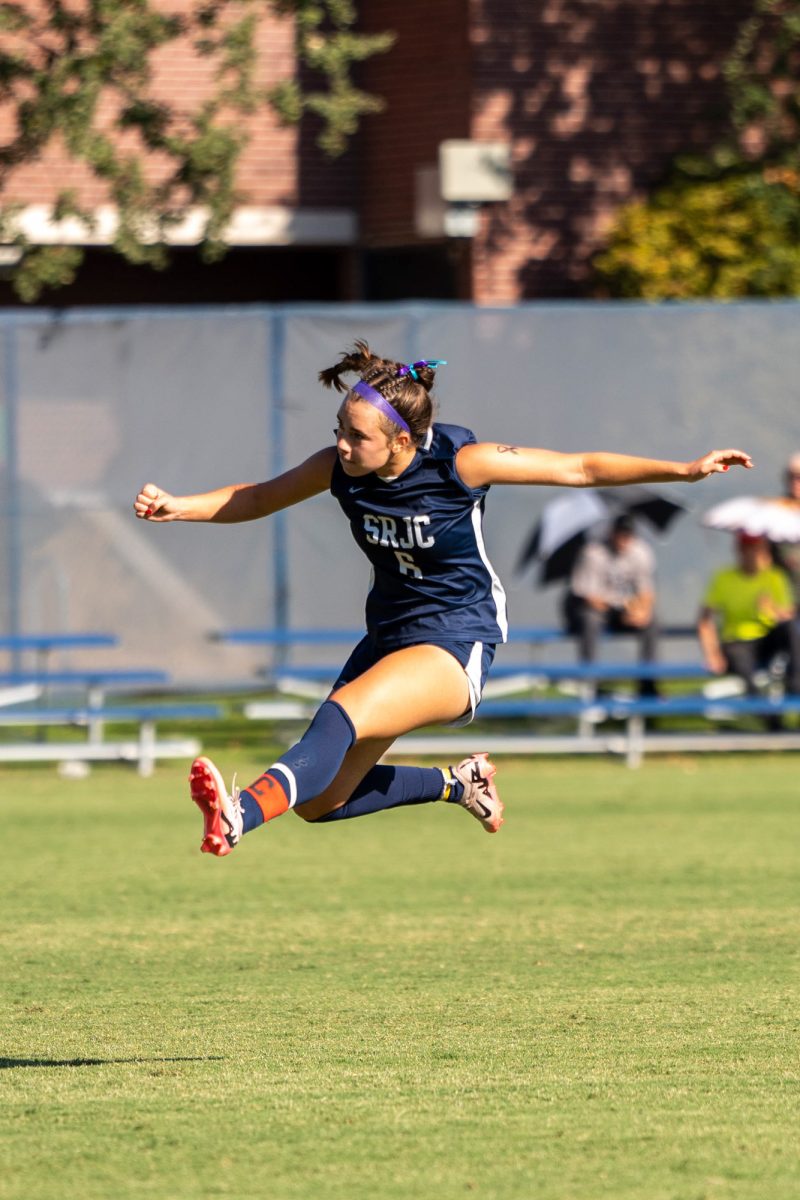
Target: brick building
<point>591,97</point>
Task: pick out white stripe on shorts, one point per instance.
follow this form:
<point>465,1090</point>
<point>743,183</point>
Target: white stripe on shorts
<point>473,672</point>
<point>498,594</point>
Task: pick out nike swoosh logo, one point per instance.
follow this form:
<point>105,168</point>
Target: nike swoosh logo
<point>478,779</point>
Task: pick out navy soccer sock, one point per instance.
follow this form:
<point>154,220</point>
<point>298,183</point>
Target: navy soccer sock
<point>303,771</point>
<point>390,787</point>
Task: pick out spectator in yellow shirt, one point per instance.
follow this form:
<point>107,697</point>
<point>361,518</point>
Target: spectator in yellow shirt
<point>747,616</point>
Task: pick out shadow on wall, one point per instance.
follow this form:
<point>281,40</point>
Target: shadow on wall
<point>601,98</point>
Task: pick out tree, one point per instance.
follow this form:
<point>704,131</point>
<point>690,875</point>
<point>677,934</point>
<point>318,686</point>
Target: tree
<point>727,225</point>
<point>80,75</point>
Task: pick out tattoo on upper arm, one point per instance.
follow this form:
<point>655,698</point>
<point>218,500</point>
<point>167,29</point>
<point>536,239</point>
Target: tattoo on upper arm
<point>507,449</point>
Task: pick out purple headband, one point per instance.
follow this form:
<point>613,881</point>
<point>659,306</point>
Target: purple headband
<point>372,396</point>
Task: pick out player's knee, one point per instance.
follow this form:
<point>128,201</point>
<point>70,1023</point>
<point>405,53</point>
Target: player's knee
<point>349,707</point>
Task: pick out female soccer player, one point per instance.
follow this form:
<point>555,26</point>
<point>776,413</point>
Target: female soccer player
<point>413,492</point>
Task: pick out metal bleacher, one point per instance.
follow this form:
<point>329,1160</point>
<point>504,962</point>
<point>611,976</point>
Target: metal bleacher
<point>520,695</point>
<point>37,698</point>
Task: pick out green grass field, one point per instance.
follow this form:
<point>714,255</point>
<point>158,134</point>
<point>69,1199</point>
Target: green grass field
<point>602,1001</point>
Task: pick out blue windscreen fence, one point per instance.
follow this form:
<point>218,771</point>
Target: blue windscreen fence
<point>96,403</point>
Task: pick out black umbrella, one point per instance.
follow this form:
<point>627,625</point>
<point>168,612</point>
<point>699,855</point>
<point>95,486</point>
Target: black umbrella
<point>568,522</point>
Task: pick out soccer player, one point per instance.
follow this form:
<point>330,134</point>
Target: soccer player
<point>413,492</point>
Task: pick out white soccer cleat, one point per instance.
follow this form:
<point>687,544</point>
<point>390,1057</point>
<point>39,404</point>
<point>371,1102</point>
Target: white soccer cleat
<point>480,795</point>
<point>222,814</point>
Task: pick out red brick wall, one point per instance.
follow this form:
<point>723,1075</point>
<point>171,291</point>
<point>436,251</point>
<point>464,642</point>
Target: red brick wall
<point>269,165</point>
<point>595,96</point>
<point>426,82</point>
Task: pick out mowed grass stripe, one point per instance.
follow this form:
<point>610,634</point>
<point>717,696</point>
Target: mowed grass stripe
<point>601,1001</point>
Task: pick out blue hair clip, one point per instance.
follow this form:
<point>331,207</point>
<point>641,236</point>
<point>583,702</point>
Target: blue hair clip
<point>411,368</point>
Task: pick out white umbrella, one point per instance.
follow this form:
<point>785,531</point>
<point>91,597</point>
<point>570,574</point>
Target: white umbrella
<point>775,518</point>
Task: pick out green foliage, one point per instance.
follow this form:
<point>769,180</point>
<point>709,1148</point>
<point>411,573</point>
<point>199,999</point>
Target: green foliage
<point>46,266</point>
<point>727,226</point>
<point>735,236</point>
<point>763,75</point>
<point>63,70</point>
<point>329,48</point>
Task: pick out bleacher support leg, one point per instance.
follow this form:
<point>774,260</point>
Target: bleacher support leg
<point>147,739</point>
<point>96,727</point>
<point>635,731</point>
<point>586,727</point>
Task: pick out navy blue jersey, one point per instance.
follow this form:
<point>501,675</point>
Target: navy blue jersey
<point>422,534</point>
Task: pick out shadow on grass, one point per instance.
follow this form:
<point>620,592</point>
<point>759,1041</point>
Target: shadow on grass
<point>8,1064</point>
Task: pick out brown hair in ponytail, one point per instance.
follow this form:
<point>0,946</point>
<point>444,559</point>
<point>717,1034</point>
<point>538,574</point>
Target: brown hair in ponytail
<point>410,397</point>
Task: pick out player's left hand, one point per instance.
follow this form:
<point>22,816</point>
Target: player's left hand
<point>715,462</point>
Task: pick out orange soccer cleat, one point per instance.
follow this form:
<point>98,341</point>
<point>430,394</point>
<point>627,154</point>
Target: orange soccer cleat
<point>222,814</point>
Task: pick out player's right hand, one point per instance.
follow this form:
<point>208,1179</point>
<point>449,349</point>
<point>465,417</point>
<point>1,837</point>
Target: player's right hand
<point>154,504</point>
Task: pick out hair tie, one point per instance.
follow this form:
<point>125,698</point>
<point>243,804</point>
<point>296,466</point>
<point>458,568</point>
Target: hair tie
<point>411,368</point>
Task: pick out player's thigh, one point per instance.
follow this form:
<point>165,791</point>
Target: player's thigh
<point>359,760</point>
<point>418,685</point>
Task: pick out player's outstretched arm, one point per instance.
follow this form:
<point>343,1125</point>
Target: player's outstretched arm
<point>240,501</point>
<point>490,462</point>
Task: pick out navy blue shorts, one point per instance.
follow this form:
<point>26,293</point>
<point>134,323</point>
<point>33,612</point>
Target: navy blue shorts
<point>475,657</point>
